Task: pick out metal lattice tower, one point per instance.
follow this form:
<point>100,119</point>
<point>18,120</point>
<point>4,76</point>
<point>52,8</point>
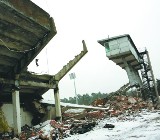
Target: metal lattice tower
<point>149,90</point>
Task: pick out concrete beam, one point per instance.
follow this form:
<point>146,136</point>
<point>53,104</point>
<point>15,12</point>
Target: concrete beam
<point>71,64</point>
<point>28,83</point>
<point>36,84</point>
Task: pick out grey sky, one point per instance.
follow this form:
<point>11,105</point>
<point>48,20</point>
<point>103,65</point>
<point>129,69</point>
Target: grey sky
<point>93,20</point>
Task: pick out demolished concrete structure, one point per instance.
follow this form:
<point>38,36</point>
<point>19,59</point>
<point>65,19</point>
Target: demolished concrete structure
<point>25,30</point>
<point>122,50</point>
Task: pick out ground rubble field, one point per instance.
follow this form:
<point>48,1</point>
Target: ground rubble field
<point>144,125</point>
<point>124,118</point>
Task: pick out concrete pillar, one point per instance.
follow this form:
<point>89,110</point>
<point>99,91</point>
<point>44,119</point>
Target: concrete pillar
<point>51,113</point>
<point>138,78</point>
<point>16,110</point>
<point>57,104</point>
<point>130,73</point>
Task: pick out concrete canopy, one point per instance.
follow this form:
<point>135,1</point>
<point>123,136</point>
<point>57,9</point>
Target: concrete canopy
<point>127,54</point>
<point>25,29</point>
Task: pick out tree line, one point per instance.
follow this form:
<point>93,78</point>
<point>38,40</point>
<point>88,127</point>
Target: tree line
<point>87,99</point>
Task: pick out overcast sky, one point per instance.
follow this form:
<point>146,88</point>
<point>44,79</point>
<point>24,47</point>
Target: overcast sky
<point>93,20</point>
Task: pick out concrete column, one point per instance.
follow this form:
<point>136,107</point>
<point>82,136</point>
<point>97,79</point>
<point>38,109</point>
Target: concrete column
<point>130,73</point>
<point>57,103</point>
<point>16,110</point>
<point>138,78</point>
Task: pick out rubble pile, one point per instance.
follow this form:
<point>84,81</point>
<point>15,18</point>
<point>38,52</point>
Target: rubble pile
<point>79,121</point>
<point>83,114</point>
<point>82,127</point>
<point>92,115</point>
<point>74,113</point>
<point>48,130</point>
<point>99,102</point>
<point>123,104</point>
<point>55,130</point>
<point>6,135</point>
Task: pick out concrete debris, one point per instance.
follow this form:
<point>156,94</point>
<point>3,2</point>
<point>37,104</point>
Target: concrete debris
<point>123,104</point>
<point>36,109</point>
<point>95,114</point>
<point>52,130</point>
<point>109,126</point>
<point>79,121</point>
<point>75,111</point>
<point>82,127</point>
<point>131,100</point>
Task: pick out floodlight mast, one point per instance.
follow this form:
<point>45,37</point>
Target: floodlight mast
<point>73,76</point>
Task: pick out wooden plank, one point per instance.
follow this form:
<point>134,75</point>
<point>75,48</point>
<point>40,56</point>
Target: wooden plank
<point>11,16</point>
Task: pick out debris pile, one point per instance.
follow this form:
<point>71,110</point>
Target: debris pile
<point>83,114</point>
<point>55,130</point>
<point>74,113</point>
<point>79,121</point>
<point>109,126</point>
<point>123,104</point>
<point>92,115</point>
<point>48,130</point>
<point>81,126</point>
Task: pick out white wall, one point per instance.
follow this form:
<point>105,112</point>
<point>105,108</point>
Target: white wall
<point>26,117</point>
<point>120,47</point>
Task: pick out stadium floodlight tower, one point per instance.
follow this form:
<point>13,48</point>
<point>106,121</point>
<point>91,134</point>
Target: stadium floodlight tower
<point>122,51</point>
